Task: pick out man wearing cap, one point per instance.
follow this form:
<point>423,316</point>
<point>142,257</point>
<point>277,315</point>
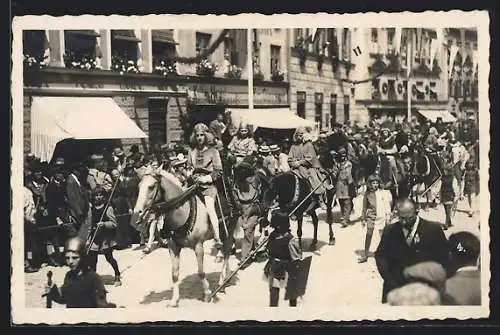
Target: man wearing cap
<point>407,241</point>
<point>97,176</point>
<point>281,157</point>
<point>78,194</point>
<point>344,189</point>
<point>269,163</point>
<point>304,160</point>
<point>464,287</point>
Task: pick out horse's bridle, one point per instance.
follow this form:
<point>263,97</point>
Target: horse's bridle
<point>154,200</point>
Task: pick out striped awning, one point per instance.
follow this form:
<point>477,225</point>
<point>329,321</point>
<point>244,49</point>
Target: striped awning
<point>124,35</point>
<point>163,36</point>
<point>54,119</point>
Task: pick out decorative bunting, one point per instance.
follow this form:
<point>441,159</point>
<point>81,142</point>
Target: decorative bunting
<point>397,40</point>
<point>453,54</point>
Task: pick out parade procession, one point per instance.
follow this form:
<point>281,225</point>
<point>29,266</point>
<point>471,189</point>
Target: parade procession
<point>259,167</point>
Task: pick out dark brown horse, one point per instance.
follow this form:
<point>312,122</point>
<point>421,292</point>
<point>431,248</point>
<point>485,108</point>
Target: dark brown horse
<point>289,189</point>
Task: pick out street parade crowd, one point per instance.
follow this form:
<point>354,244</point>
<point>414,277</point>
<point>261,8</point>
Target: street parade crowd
<point>75,211</point>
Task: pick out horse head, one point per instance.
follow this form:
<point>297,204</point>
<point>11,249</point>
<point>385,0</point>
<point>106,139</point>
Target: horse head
<point>149,190</point>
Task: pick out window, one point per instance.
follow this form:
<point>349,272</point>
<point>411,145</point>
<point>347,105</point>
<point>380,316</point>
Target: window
<point>346,108</point>
<point>34,43</point>
<point>346,44</point>
<point>275,58</point>
<point>301,104</point>
<point>374,35</point>
<point>202,43</point>
<point>163,48</point>
<point>80,47</point>
<point>230,50</point>
<point>318,109</point>
<point>124,44</point>
<point>333,109</point>
<point>157,122</point>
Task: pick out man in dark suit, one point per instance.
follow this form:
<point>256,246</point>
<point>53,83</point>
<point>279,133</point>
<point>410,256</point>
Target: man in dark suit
<point>464,288</point>
<point>78,196</point>
<point>408,241</point>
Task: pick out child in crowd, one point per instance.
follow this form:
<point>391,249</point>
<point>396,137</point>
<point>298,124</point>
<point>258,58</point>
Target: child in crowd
<point>471,185</point>
<point>377,204</point>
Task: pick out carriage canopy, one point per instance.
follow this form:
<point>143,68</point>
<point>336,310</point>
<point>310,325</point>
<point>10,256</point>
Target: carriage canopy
<point>54,119</point>
<point>272,118</point>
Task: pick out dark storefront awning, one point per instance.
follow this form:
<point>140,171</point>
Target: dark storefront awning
<point>163,36</point>
<point>54,119</point>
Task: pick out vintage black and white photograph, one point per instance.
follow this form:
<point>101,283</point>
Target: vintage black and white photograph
<point>331,169</point>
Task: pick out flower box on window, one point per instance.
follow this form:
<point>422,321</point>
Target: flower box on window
<point>33,62</point>
<point>277,76</point>
<point>206,68</point>
<point>81,62</point>
<point>234,72</point>
<point>164,66</point>
<point>124,65</point>
<point>258,76</point>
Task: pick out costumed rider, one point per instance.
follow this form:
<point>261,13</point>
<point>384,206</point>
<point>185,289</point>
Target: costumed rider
<point>284,254</point>
<point>388,148</point>
<point>304,161</point>
<point>82,287</point>
<point>205,167</point>
<point>242,144</point>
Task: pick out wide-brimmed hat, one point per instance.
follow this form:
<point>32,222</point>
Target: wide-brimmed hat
<point>264,149</point>
<point>118,152</point>
<point>274,148</point>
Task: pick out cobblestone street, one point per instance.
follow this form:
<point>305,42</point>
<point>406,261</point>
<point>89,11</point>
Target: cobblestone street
<point>147,279</point>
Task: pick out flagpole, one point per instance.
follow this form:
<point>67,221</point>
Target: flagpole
<point>250,68</point>
<point>408,79</point>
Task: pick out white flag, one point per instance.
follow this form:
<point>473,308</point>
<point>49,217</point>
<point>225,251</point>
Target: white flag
<point>397,41</point>
<point>453,54</point>
<point>434,47</point>
<point>312,34</point>
<point>474,62</point>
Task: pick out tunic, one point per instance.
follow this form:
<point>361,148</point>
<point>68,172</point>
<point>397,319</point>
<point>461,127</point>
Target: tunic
<point>105,237</point>
<point>84,290</point>
<point>283,250</point>
<point>302,158</point>
<point>344,179</point>
<point>242,146</point>
<point>206,162</point>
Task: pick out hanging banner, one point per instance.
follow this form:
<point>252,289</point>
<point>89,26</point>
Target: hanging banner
<point>312,34</point>
<point>474,62</point>
<point>409,42</point>
<point>453,54</point>
<point>434,47</point>
<point>140,65</point>
<point>46,48</point>
<point>397,40</point>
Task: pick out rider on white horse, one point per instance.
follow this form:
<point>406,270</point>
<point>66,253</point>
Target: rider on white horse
<point>206,166</point>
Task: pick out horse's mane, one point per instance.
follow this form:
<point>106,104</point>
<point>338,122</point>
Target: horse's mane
<point>171,178</point>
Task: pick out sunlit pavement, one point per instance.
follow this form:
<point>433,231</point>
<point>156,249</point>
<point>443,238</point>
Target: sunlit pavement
<point>336,278</point>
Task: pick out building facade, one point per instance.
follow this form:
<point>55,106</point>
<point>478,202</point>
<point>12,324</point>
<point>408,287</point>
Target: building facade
<point>463,79</point>
<point>381,74</point>
<point>164,80</point>
<point>320,65</point>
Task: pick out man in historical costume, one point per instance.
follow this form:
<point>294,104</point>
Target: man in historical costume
<point>407,241</point>
<point>304,161</point>
<point>82,287</point>
<point>284,254</point>
<point>206,167</point>
<point>101,236</point>
<point>344,189</point>
<point>218,127</point>
<point>119,160</point>
<point>281,158</point>
<point>242,143</point>
<point>97,175</point>
<point>388,148</point>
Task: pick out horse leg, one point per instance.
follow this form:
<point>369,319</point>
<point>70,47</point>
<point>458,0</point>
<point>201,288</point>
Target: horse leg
<point>299,228</point>
<point>175,252</point>
<point>314,218</point>
<point>329,205</point>
<point>200,255</point>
